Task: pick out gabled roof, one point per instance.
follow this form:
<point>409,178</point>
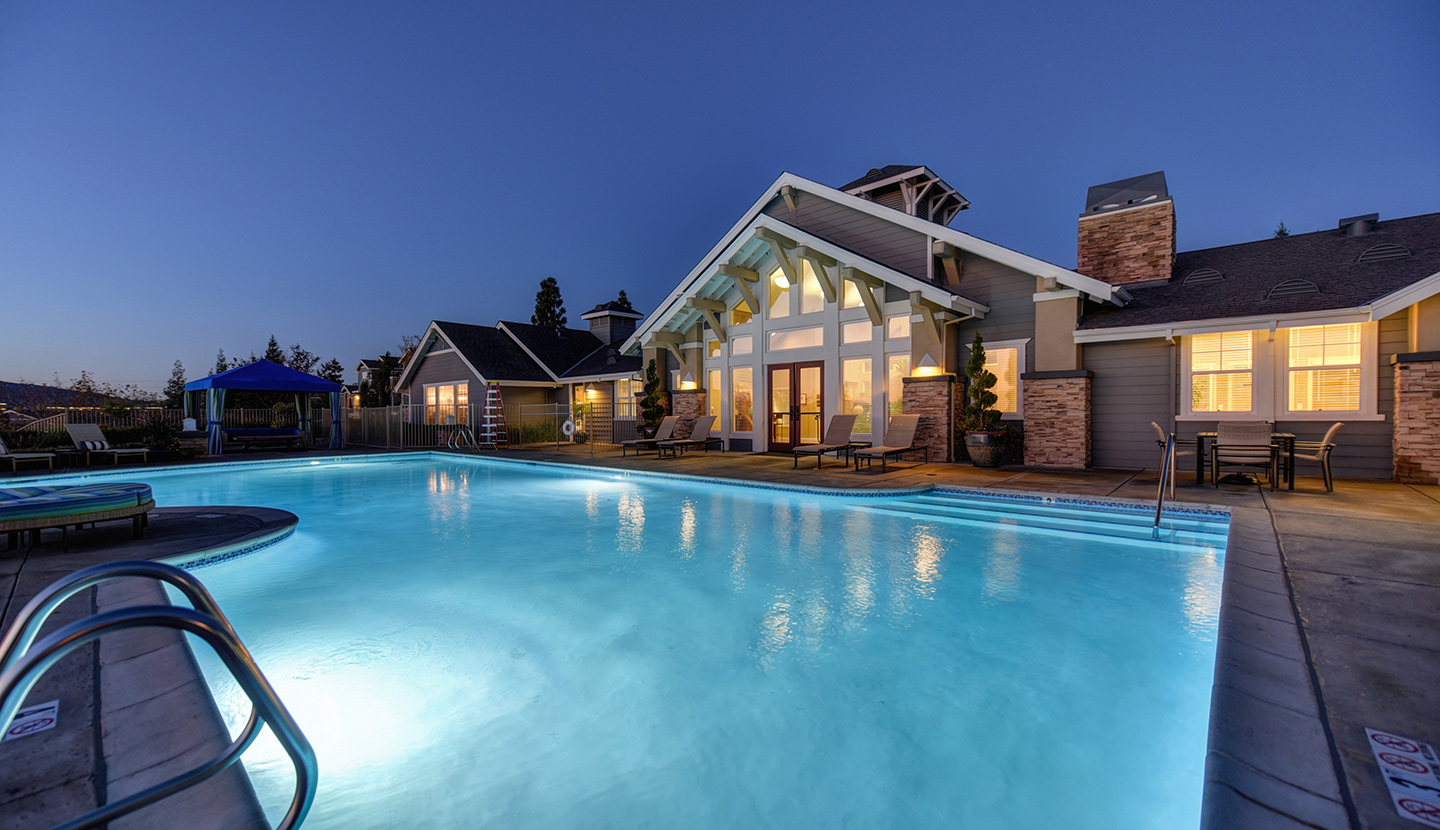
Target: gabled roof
<point>491,353</point>
<point>1249,272</point>
<point>606,360</point>
<point>555,349</point>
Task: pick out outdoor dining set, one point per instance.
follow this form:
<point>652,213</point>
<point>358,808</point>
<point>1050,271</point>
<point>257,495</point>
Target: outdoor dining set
<point>1255,445</point>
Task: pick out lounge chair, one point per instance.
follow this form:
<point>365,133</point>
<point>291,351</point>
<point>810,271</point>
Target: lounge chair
<point>16,457</point>
<point>1244,444</point>
<point>1319,452</point>
<point>89,439</point>
<point>836,440</point>
<point>699,437</point>
<point>663,433</point>
<point>899,439</point>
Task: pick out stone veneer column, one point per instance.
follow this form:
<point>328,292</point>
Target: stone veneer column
<point>688,404</point>
<point>1417,417</point>
<point>933,399</point>
<point>1132,244</point>
<point>1057,419</point>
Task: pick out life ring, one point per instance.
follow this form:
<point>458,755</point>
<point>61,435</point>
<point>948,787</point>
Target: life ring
<point>568,428</point>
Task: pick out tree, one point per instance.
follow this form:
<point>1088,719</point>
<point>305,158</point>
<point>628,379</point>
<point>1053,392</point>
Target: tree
<point>980,412</point>
<point>220,363</point>
<point>273,352</point>
<point>624,301</point>
<point>408,344</point>
<point>332,370</point>
<point>1281,231</point>
<point>175,388</point>
<point>299,359</point>
<point>652,406</point>
<point>549,308</point>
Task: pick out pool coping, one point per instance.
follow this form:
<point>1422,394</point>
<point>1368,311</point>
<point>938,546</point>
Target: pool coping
<point>1263,698</point>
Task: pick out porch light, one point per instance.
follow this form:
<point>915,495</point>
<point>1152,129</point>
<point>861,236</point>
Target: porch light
<point>688,382</point>
<point>927,368</point>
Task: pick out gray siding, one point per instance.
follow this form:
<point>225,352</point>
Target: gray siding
<point>1008,292</point>
<point>440,368</point>
<point>1133,386</point>
<point>889,244</point>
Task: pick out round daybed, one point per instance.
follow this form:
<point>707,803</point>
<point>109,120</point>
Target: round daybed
<point>36,508</point>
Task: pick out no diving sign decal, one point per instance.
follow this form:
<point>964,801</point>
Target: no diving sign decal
<point>1412,773</point>
<point>34,719</point>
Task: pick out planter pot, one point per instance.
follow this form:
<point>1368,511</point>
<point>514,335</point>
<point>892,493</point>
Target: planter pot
<point>580,438</point>
<point>985,448</point>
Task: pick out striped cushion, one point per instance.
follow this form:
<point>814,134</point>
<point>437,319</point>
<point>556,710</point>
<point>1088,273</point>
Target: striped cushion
<point>94,445</point>
<point>54,502</point>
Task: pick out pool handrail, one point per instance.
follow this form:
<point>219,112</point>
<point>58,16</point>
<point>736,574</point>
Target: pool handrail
<point>1167,472</point>
<point>23,669</point>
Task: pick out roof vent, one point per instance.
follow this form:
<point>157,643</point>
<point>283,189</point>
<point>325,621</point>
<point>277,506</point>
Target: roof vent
<point>1203,276</point>
<point>1384,251</point>
<point>1359,225</point>
<point>1293,288</point>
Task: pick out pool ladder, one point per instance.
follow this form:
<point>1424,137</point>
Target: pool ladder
<point>462,438</point>
<point>1167,479</point>
<point>23,661</point>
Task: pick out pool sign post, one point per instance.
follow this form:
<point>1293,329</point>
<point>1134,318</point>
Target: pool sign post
<point>34,719</point>
<point>1412,772</point>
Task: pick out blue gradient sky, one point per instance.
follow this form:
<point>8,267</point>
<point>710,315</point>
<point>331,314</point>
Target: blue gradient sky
<point>181,177</point>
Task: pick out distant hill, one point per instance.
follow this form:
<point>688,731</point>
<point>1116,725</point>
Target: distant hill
<point>18,395</point>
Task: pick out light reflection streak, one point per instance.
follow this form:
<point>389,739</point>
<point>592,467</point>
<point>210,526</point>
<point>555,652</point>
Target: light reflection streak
<point>1202,594</point>
<point>929,549</point>
<point>689,522</point>
<point>857,567</point>
<point>1003,570</point>
<point>630,535</point>
<point>775,632</point>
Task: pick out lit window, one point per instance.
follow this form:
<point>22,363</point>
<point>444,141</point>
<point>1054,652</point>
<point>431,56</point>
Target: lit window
<point>860,331</point>
<point>797,338</point>
<point>740,314</point>
<point>897,328</point>
<point>447,403</point>
<point>712,395</point>
<point>712,348</point>
<point>812,298</point>
<point>625,390</point>
<point>898,368</point>
<point>1004,365</point>
<point>855,397</point>
<point>850,295</point>
<point>1324,368</point>
<point>1221,376</point>
<point>742,345</point>
<point>778,289</point>
<point>742,389</point>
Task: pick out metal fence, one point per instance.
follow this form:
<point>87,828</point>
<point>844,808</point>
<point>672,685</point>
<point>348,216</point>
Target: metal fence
<point>147,416</point>
<point>420,426</point>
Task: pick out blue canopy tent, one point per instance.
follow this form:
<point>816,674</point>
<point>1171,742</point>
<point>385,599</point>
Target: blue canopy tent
<point>264,376</point>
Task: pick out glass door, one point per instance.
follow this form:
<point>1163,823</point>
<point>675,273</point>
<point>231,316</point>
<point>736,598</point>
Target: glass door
<point>796,404</point>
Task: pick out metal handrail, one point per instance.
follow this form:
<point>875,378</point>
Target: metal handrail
<point>1167,473</point>
<point>461,437</point>
<point>23,668</point>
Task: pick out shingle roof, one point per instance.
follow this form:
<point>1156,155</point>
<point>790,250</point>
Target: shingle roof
<point>605,360</point>
<point>613,306</point>
<point>1251,270</point>
<point>370,363</point>
<point>492,353</point>
<point>879,173</point>
<point>557,352</point>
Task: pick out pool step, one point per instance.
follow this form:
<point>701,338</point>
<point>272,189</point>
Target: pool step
<point>1062,520</point>
<point>1083,512</point>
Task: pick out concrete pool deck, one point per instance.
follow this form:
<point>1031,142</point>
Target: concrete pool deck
<point>1328,626</point>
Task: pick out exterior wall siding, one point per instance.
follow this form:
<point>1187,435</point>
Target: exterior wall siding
<point>441,368</point>
<point>1009,294</point>
<point>900,248</point>
<point>1133,386</point>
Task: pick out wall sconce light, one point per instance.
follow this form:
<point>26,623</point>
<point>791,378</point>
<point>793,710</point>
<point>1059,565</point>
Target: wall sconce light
<point>688,382</point>
<point>927,368</point>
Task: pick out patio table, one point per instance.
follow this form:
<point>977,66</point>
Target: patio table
<point>1286,440</point>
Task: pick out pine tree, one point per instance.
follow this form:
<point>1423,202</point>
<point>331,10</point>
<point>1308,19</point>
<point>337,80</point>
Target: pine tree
<point>175,388</point>
<point>624,301</point>
<point>273,352</point>
<point>549,308</point>
<point>1281,231</point>
<point>332,370</point>
<point>980,412</point>
<point>221,364</point>
<point>300,360</point>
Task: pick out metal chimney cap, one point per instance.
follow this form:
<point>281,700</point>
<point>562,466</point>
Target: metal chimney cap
<point>1150,187</point>
<point>1359,225</point>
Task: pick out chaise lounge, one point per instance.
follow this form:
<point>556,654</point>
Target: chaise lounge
<point>662,433</point>
<point>899,439</point>
<point>89,439</point>
<point>15,458</point>
<point>699,437</point>
<point>837,440</point>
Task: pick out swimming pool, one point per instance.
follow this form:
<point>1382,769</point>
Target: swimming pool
<point>476,643</point>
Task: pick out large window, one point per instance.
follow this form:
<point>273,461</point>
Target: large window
<point>1323,368</point>
<point>742,345</point>
<point>1222,377</point>
<point>897,369</point>
<point>855,392</point>
<point>447,403</point>
<point>740,314</point>
<point>850,295</point>
<point>797,338</point>
<point>812,298</point>
<point>1004,364</point>
<point>778,291</point>
<point>897,328</point>
<point>742,393</point>
<point>713,397</point>
<point>858,331</point>
<point>625,390</point>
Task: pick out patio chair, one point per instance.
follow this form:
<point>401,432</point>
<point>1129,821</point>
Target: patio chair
<point>666,428</point>
<point>836,440</point>
<point>1319,452</point>
<point>699,437</point>
<point>16,457</point>
<point>1244,444</point>
<point>899,439</point>
<point>1161,436</point>
<point>89,439</point>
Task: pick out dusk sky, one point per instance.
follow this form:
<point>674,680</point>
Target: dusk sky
<point>176,178</point>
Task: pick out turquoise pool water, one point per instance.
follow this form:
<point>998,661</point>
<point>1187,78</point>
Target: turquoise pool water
<point>485,644</point>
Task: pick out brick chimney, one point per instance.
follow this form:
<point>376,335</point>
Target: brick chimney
<point>1127,232</point>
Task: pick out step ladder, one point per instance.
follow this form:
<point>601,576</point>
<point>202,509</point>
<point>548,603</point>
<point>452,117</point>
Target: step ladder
<point>493,431</point>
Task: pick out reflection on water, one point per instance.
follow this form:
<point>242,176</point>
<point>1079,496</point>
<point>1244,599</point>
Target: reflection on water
<point>689,521</point>
<point>857,566</point>
<point>928,551</point>
<point>1003,571</point>
<point>630,534</point>
<point>1202,593</point>
<point>775,633</point>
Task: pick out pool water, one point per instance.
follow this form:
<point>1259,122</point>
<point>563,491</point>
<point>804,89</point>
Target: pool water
<point>473,643</point>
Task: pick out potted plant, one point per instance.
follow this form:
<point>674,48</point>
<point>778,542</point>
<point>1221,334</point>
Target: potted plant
<point>983,438</point>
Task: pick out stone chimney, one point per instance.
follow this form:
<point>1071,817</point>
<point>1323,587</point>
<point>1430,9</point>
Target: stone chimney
<point>1127,232</point>
<point>610,322</point>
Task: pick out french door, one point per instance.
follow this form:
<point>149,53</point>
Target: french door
<point>796,404</point>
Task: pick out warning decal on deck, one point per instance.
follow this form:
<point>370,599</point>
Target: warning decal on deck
<point>1412,773</point>
<point>34,719</point>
